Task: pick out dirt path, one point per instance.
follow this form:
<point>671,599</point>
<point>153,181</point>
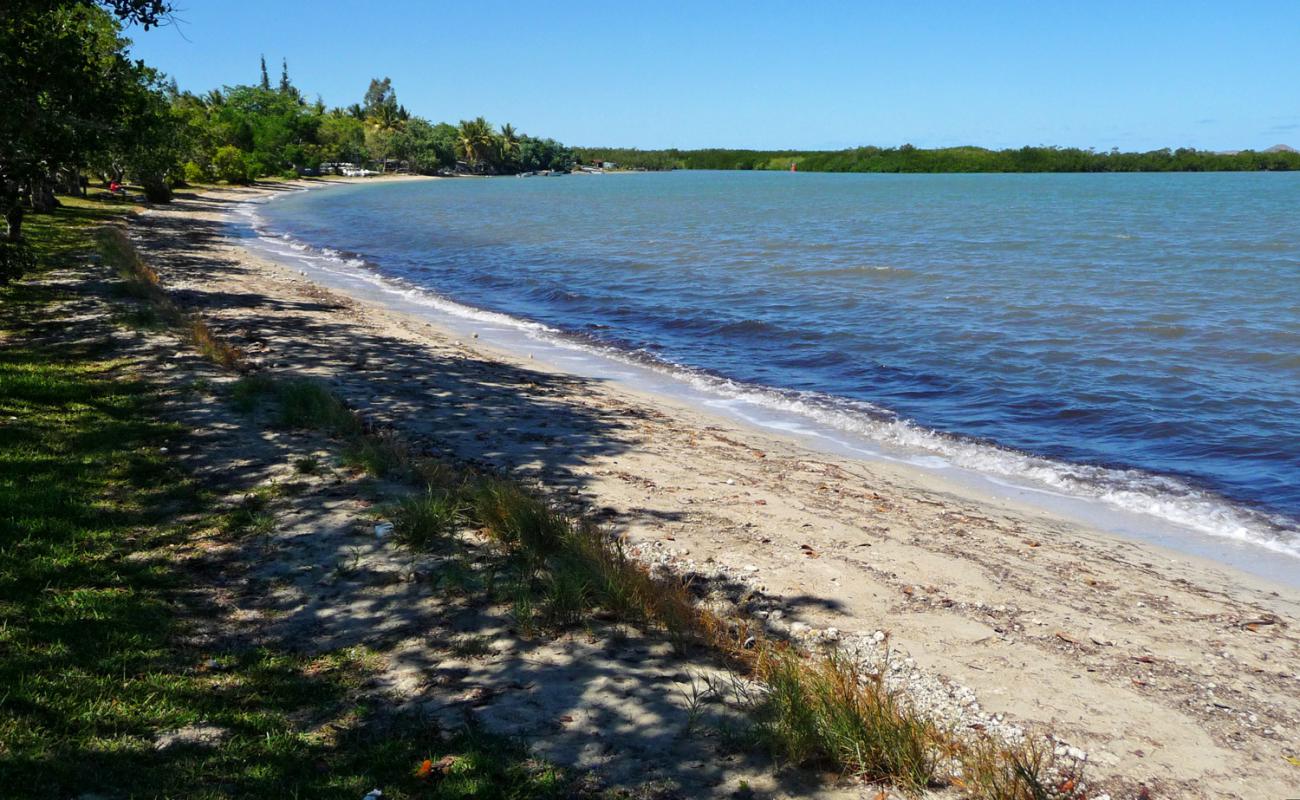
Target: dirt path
<point>1173,674</point>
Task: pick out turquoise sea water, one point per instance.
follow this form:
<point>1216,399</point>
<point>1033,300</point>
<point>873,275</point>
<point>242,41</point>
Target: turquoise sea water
<point>1132,338</point>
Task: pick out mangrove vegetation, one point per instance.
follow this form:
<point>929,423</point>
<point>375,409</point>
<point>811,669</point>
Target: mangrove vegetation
<point>947,159</point>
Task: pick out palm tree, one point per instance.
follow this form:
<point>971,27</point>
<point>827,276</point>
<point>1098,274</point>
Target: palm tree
<point>383,124</point>
<point>475,141</point>
<point>508,141</point>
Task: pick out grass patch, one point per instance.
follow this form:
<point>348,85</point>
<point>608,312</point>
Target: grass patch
<point>97,695</point>
<point>991,768</point>
<point>300,403</point>
<point>308,404</point>
<point>252,516</point>
<point>375,455</point>
<point>823,711</point>
<point>141,281</point>
<point>470,646</point>
<point>425,519</point>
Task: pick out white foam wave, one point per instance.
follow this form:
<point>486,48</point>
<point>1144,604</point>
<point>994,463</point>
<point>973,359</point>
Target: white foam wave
<point>842,420</point>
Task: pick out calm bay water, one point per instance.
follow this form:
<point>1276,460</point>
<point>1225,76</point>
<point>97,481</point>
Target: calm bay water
<point>1134,338</point>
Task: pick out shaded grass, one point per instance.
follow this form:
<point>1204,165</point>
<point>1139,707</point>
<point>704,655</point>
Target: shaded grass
<point>423,520</point>
<point>91,673</point>
<point>141,281</point>
<point>252,515</point>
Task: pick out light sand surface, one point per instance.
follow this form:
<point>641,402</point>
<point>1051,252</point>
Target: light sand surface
<point>1169,672</point>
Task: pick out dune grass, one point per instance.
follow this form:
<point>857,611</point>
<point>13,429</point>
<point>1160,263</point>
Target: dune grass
<point>825,711</point>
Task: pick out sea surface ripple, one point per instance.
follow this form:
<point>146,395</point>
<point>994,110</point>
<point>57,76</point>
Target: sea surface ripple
<point>1134,338</point>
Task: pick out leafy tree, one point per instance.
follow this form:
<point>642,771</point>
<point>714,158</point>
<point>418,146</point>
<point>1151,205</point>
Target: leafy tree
<point>64,74</point>
<point>425,147</point>
<point>538,154</point>
<point>230,165</point>
<point>380,99</point>
<point>146,13</point>
<point>342,137</point>
<point>148,141</point>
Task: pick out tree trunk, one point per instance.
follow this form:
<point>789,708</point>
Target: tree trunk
<point>156,190</point>
<point>14,222</point>
<point>43,198</point>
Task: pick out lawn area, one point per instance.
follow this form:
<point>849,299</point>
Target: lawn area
<point>99,695</point>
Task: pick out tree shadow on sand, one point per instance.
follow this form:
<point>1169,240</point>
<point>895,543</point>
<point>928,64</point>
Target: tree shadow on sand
<point>606,696</point>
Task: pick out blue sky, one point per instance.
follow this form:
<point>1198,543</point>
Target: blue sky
<point>1135,75</point>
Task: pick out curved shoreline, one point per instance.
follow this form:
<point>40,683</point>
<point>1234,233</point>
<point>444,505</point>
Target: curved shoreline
<point>1169,671</point>
<point>1145,507</point>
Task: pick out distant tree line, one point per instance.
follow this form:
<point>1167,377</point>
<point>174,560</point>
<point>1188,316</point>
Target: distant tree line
<point>947,159</point>
<point>238,133</point>
<point>73,103</point>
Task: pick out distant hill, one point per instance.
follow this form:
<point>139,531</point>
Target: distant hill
<point>1281,148</point>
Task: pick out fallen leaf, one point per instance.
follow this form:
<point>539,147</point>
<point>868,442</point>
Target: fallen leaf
<point>1033,543</point>
<point>1292,760</point>
<point>478,696</point>
<point>428,768</point>
<point>1065,638</point>
<point>1144,659</point>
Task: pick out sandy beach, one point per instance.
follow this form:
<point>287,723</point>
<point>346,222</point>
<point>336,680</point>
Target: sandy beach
<point>1167,672</point>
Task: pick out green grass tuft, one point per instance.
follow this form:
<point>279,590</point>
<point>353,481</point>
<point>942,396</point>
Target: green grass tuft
<point>425,519</point>
<point>518,518</point>
<point>822,710</point>
<point>309,404</point>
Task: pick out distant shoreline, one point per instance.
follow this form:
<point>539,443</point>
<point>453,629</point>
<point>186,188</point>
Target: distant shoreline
<point>908,159</point>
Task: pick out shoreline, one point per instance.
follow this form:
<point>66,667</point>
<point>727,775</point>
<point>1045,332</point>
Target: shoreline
<point>1046,621</point>
<point>1184,521</point>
